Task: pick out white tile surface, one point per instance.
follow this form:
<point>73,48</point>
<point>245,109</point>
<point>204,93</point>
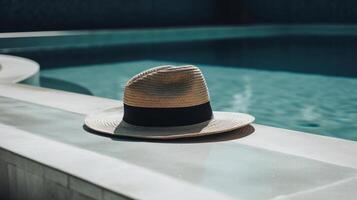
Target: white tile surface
<point>57,99</point>
<point>118,176</point>
<point>343,189</point>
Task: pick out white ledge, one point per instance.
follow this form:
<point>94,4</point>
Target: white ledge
<point>15,69</point>
<point>268,163</point>
<point>327,149</point>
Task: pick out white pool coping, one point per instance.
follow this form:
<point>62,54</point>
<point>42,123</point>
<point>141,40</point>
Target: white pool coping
<point>14,69</point>
<point>130,177</point>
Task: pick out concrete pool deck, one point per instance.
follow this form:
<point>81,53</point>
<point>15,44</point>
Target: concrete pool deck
<point>45,153</point>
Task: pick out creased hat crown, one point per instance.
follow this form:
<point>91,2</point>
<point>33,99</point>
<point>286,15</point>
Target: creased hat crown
<point>167,87</point>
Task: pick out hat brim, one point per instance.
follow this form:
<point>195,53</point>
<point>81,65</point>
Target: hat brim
<point>110,122</point>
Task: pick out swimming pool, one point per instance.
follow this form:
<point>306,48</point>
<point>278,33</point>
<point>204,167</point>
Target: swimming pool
<point>311,103</point>
<point>302,80</point>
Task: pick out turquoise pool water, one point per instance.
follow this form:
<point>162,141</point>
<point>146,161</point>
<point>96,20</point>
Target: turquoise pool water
<point>318,104</point>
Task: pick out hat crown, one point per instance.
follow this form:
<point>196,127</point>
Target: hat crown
<point>167,87</point>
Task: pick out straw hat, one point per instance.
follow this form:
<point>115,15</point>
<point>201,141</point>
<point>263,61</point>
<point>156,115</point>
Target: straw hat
<point>166,102</point>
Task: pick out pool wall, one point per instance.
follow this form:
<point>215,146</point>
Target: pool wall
<point>316,49</point>
<point>24,178</point>
<point>22,15</point>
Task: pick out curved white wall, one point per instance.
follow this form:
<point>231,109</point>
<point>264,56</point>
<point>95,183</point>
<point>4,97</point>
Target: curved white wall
<point>14,69</point>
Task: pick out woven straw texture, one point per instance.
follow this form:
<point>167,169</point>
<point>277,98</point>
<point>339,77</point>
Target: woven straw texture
<point>167,87</point>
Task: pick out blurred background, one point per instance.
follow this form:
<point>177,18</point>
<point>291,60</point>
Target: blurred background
<point>38,15</point>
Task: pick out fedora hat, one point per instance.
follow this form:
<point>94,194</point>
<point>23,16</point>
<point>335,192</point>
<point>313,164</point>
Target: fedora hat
<point>166,102</point>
